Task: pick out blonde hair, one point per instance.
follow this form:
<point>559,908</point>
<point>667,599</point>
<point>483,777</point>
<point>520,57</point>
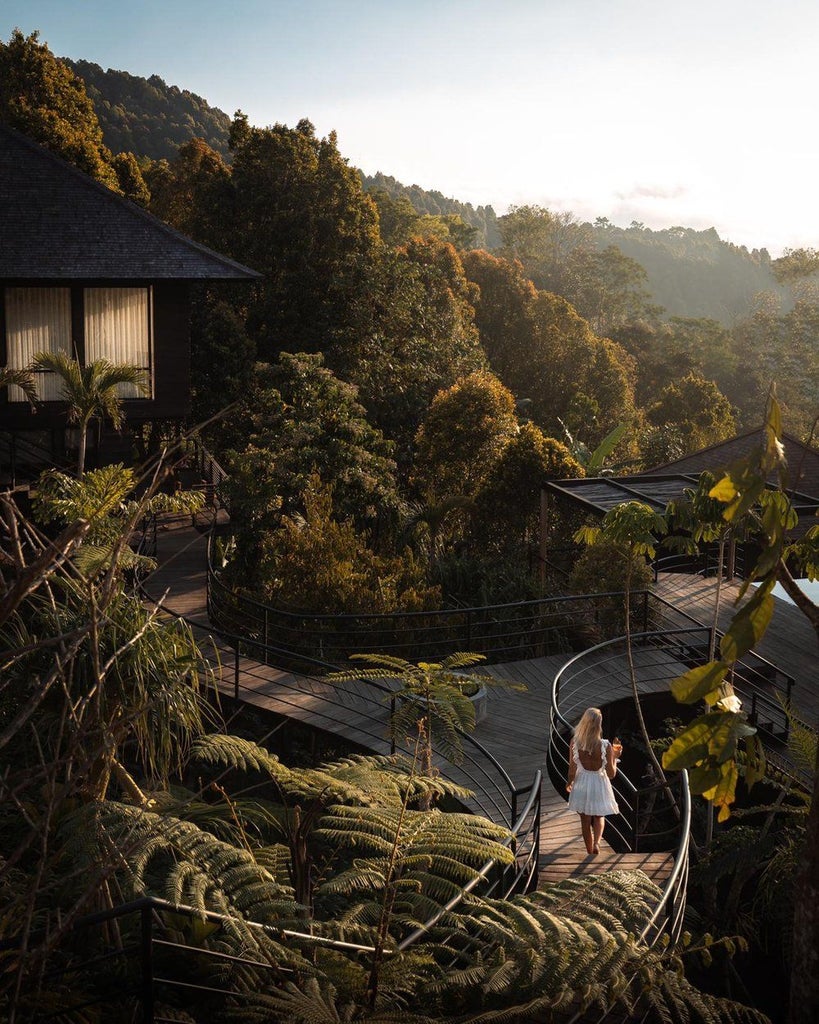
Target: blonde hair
<point>588,732</point>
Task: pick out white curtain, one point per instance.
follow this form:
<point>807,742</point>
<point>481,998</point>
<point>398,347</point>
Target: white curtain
<point>37,320</point>
<point>118,328</point>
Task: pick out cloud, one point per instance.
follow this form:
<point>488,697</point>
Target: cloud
<point>652,192</point>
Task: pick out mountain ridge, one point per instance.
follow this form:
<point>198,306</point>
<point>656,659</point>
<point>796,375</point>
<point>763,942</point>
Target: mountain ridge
<point>689,273</point>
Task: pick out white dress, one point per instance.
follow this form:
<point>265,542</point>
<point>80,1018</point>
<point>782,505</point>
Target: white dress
<point>591,791</point>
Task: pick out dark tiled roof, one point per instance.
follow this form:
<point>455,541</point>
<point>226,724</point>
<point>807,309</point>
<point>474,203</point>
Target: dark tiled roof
<point>603,493</point>
<point>803,462</point>
<point>600,494</point>
<point>57,223</point>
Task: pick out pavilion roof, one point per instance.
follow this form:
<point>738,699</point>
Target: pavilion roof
<point>56,223</point>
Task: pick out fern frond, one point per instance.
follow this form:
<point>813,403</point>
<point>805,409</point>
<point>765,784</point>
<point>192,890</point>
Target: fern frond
<point>237,752</point>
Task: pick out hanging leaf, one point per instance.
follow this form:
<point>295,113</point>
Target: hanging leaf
<point>712,738</point>
<point>723,794</point>
<point>755,762</point>
<point>703,778</point>
<point>587,535</point>
<point>700,683</point>
<point>749,625</point>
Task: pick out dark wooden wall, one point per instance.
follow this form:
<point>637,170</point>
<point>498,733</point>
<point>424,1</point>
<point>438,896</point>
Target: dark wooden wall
<point>171,362</point>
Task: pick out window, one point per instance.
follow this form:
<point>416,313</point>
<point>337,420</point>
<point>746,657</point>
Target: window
<point>37,320</point>
<point>113,324</point>
<point>118,328</point>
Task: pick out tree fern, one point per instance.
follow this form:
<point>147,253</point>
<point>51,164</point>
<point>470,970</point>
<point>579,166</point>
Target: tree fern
<point>432,704</point>
<point>619,900</point>
<point>176,860</point>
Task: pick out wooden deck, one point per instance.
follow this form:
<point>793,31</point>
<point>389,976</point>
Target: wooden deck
<point>790,642</point>
<point>515,730</point>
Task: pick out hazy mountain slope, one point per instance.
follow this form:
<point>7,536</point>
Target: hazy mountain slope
<point>695,273</point>
<point>147,117</point>
<point>482,218</point>
<point>690,273</point>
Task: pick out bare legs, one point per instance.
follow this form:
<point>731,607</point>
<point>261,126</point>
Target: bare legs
<point>588,833</point>
<point>592,826</point>
<point>598,824</point>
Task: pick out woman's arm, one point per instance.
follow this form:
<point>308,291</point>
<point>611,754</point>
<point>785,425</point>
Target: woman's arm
<point>611,762</point>
<point>572,767</point>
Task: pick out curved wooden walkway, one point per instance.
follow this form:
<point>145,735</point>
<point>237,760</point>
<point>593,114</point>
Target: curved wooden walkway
<point>515,731</point>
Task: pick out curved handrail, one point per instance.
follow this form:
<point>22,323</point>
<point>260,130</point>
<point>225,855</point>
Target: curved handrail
<point>531,804</point>
<point>506,631</point>
<point>482,768</point>
<point>569,683</point>
<point>678,879</point>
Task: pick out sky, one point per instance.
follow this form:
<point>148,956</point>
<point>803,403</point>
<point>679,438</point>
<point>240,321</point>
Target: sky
<point>699,113</point>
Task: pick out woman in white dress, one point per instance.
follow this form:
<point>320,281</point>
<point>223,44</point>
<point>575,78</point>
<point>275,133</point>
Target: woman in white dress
<point>592,766</point>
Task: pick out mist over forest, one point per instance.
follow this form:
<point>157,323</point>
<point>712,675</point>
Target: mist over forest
<point>387,402</point>
<point>690,273</point>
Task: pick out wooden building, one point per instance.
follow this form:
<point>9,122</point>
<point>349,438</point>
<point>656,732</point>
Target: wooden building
<point>86,272</point>
<point>803,461</point>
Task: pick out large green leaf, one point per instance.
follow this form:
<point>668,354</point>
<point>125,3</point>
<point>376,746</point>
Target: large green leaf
<point>700,683</point>
<point>711,737</point>
<point>749,625</point>
<point>703,778</point>
<point>604,449</point>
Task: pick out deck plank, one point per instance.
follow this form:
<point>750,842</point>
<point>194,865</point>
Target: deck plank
<point>517,726</point>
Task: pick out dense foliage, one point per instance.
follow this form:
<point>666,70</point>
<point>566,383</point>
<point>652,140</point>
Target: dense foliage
<point>41,97</point>
<point>121,782</point>
<point>148,117</point>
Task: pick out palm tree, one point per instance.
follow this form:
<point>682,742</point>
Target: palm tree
<point>90,391</point>
<point>431,698</point>
<point>21,379</point>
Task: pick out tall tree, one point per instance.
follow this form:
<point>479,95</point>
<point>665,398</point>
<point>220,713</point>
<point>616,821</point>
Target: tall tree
<point>194,193</point>
<point>507,507</point>
<point>43,98</point>
<point>551,246</point>
<point>562,363</point>
<point>503,307</point>
<point>302,219</point>
<point>697,409</point>
<point>422,337</point>
<point>91,391</point>
<point>298,419</point>
<point>463,434</point>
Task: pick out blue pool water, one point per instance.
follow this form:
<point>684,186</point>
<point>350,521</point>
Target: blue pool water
<point>811,589</point>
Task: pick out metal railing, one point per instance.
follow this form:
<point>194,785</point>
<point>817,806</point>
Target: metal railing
<point>149,959</point>
<point>705,562</point>
<point>26,456</point>
<point>503,632</point>
<point>240,661</point>
<point>647,816</point>
<point>371,706</point>
<point>212,473</point>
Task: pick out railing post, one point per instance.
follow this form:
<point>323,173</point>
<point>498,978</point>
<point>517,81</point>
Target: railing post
<point>636,826</point>
<point>146,950</point>
<point>266,633</point>
<point>236,671</point>
<point>469,628</point>
<point>645,611</point>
